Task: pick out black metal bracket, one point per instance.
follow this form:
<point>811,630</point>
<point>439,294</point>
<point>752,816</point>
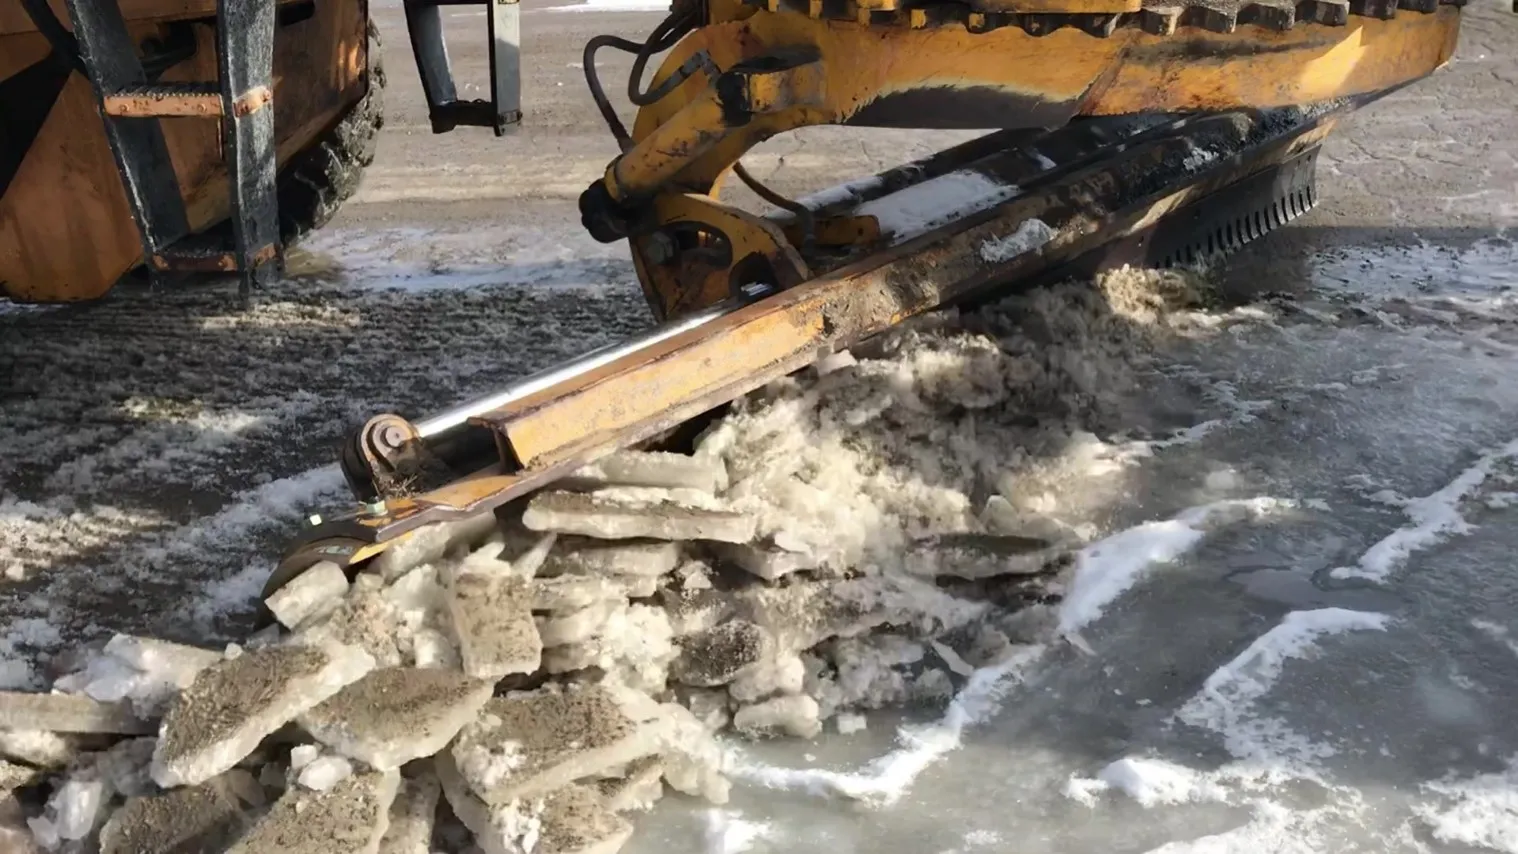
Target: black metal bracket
<point>503,110</point>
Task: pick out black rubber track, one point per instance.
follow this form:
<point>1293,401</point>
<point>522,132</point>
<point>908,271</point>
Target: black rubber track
<point>318,180</point>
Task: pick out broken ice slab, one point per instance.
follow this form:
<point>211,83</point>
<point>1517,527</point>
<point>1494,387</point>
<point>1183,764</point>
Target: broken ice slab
<point>691,757</point>
<point>207,817</point>
<point>636,646</point>
<point>366,619</point>
<point>233,705</point>
<point>570,592</point>
<point>803,614</point>
<point>349,818</point>
<point>774,674</point>
<point>495,831</point>
<point>612,518</point>
<point>176,663</point>
<point>39,748</point>
<point>412,815</point>
<point>492,621</point>
<point>572,820</point>
<point>125,766</point>
<point>396,714</point>
<point>431,542</point>
<point>144,671</point>
<point>639,789</point>
<point>978,556</point>
<point>71,713</point>
<point>567,627</point>
<point>716,656</point>
<point>575,820</point>
<point>651,468</point>
<point>75,809</point>
<point>531,744</point>
<point>767,562</point>
<point>797,715</point>
<point>311,595</point>
<point>14,775</point>
<point>587,556</point>
<point>694,610</point>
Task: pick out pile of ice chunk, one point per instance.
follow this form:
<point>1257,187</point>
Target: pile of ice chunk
<point>861,535</point>
<point>528,679</point>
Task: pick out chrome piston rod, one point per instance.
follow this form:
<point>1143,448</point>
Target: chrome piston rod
<point>457,415</point>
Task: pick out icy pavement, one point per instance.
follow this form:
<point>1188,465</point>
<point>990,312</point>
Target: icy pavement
<point>1290,626</point>
<point>1244,693</point>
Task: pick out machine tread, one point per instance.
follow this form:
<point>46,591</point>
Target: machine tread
<point>324,176</point>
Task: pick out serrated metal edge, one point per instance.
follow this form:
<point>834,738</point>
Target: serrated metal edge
<point>1245,229</point>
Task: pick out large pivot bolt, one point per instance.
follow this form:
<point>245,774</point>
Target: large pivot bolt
<point>605,219</point>
<point>372,456</point>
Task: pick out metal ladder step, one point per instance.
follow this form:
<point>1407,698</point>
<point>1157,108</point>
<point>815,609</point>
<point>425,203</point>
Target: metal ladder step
<point>131,105</point>
<point>206,253</point>
<point>502,112</point>
<point>153,100</point>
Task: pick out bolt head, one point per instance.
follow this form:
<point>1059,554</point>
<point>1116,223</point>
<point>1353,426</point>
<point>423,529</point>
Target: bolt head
<point>375,508</point>
<point>314,519</point>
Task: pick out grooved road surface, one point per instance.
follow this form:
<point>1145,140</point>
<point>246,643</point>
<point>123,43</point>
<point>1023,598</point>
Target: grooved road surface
<point>1337,674</point>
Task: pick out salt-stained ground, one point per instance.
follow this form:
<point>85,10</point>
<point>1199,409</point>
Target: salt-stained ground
<point>1292,623</point>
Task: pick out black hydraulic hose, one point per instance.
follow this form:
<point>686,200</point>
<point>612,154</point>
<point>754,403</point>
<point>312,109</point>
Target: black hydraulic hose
<point>664,37</point>
<point>608,112</point>
<point>803,213</point>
